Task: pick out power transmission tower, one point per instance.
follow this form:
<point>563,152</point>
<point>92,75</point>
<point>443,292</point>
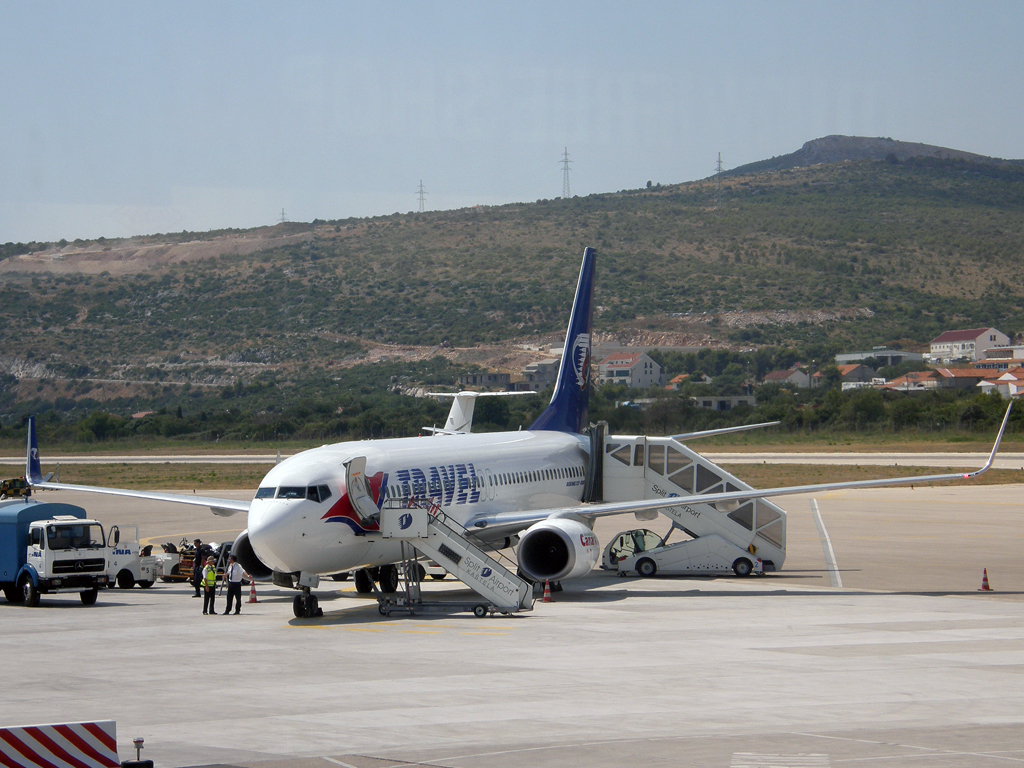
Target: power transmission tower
<point>423,196</point>
<point>283,217</point>
<point>566,162</point>
<point>717,201</point>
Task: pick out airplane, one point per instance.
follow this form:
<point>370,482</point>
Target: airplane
<point>318,513</point>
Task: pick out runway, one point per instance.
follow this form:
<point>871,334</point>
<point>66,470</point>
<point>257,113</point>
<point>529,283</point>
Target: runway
<point>906,665</point>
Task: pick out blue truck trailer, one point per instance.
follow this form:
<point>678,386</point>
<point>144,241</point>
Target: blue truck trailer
<point>50,548</point>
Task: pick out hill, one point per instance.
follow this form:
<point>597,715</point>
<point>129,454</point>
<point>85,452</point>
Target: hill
<point>829,256</point>
<point>840,149</point>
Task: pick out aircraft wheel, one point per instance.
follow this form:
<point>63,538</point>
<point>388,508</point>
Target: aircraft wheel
<point>30,595</point>
<point>421,572</point>
<point>437,576</point>
<point>312,607</point>
<point>742,567</point>
<point>388,579</point>
<point>340,576</point>
<point>298,607</point>
<point>364,583</point>
<point>480,611</point>
<point>646,567</point>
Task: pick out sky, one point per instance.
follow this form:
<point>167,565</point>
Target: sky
<point>127,118</point>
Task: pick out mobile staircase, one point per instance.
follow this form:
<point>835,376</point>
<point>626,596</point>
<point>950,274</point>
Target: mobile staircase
<point>422,527</point>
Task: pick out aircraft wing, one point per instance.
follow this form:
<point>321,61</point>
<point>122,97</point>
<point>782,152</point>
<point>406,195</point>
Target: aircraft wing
<point>34,476</point>
<point>505,523</point>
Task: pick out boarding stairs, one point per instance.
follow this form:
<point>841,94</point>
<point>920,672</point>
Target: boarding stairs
<point>642,467</point>
<point>422,526</point>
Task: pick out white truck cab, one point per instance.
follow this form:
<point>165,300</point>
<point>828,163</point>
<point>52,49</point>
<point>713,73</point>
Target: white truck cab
<point>126,567</point>
<point>48,548</point>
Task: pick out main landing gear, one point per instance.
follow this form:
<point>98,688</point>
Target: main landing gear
<point>306,606</point>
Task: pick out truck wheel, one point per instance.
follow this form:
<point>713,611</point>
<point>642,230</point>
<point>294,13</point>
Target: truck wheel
<point>480,611</point>
<point>437,576</point>
<point>125,580</point>
<point>145,583</point>
<point>89,596</point>
<point>13,594</point>
<point>29,593</point>
<point>646,567</point>
<point>742,566</point>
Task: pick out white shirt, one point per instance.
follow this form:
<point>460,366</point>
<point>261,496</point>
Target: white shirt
<point>234,573</point>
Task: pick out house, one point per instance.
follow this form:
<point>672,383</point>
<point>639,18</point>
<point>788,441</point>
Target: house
<point>494,379</point>
<point>794,377</point>
<point>915,381</point>
<point>677,381</point>
<point>968,344</point>
<point>543,373</point>
<point>939,378</point>
<point>850,376</point>
<point>634,369</point>
<point>1009,384</point>
<point>960,378</point>
<point>1002,358</point>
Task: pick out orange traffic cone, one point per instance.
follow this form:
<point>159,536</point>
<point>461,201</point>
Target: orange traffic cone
<point>547,592</point>
<point>984,581</point>
<point>252,592</point>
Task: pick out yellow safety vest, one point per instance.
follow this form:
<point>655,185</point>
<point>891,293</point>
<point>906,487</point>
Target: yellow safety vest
<point>210,576</point>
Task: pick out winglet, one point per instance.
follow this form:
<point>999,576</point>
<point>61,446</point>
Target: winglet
<point>995,446</point>
<point>568,409</point>
<point>33,472</point>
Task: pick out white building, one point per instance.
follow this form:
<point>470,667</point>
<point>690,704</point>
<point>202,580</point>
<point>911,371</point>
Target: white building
<point>970,344</point>
<point>634,369</point>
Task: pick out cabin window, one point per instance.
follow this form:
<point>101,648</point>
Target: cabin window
<point>266,493</point>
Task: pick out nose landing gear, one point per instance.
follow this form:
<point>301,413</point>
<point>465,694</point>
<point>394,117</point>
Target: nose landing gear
<point>306,606</point>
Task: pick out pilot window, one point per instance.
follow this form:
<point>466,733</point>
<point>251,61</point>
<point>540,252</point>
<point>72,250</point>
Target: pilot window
<point>266,493</point>
<point>291,492</point>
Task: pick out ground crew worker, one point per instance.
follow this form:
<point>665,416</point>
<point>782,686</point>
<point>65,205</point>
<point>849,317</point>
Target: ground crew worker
<point>197,566</point>
<point>233,575</point>
<point>210,587</point>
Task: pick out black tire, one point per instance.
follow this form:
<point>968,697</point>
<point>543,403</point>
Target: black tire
<point>13,594</point>
<point>646,567</point>
<point>364,584</point>
<point>125,580</point>
<point>742,567</point>
<point>89,596</point>
<point>145,583</point>
<point>29,593</point>
<point>136,764</point>
<point>298,607</point>
<point>421,572</point>
<point>438,576</point>
<point>382,609</point>
<point>480,611</point>
<point>340,576</point>
<point>388,579</point>
<point>312,607</point>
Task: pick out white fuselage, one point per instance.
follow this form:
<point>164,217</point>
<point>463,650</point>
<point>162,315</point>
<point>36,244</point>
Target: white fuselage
<point>302,519</point>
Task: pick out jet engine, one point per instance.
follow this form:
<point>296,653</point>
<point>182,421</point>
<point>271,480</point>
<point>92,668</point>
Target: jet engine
<point>243,552</point>
<point>560,548</point>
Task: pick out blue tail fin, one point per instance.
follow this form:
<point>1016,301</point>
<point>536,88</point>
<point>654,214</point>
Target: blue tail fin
<point>567,411</point>
<point>33,472</point>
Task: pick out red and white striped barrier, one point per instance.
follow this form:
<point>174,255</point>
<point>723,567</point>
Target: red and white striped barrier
<point>65,745</point>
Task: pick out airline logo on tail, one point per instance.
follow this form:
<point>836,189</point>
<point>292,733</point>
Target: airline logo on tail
<point>581,360</point>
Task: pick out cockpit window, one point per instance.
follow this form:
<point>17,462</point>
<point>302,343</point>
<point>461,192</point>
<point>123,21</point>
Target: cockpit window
<point>291,492</point>
<point>266,493</point>
<point>318,493</point>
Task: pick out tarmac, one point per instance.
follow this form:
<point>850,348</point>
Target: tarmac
<point>906,664</point>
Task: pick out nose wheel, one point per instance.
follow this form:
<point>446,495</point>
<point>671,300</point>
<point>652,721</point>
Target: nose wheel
<point>306,606</point>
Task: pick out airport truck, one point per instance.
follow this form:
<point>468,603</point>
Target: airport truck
<point>128,563</point>
<point>50,548</point>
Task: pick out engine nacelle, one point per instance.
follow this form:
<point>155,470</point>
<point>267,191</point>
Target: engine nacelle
<point>243,552</point>
<point>560,548</point>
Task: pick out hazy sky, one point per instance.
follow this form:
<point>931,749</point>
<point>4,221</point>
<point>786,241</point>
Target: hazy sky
<point>141,117</point>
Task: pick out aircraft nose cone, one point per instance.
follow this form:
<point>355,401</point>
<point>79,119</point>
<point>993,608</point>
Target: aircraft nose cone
<point>273,528</point>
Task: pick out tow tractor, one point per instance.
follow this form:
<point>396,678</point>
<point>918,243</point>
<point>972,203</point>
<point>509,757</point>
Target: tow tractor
<point>128,565</point>
<point>14,488</point>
